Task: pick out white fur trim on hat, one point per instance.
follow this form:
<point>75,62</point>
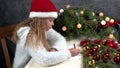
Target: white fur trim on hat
<point>43,14</point>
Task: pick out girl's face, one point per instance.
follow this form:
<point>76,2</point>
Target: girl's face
<point>49,22</point>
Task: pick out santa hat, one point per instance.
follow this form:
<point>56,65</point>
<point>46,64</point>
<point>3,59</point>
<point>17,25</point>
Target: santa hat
<point>43,9</point>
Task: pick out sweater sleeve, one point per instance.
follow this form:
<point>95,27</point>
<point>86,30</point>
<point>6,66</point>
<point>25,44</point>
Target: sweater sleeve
<point>40,55</point>
<point>45,58</point>
<point>56,40</point>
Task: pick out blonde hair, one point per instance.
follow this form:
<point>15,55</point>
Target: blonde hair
<point>37,31</point>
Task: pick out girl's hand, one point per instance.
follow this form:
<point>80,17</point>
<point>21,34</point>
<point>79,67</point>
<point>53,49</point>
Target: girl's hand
<point>53,50</point>
<point>74,51</point>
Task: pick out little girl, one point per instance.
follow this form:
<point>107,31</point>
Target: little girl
<point>35,38</point>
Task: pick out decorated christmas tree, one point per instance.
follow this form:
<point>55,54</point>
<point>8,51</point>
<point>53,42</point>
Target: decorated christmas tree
<point>77,21</point>
<point>101,48</point>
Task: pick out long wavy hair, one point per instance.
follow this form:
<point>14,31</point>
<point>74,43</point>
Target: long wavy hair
<point>37,32</point>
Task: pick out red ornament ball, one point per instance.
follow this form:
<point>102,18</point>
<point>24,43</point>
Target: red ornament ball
<point>96,57</point>
<point>116,59</point>
<point>106,56</point>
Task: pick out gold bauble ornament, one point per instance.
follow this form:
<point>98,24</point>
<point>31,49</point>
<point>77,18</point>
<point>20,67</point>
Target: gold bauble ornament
<point>84,48</point>
<point>88,47</point>
<point>96,67</point>
<point>101,14</point>
<point>115,53</point>
<point>111,36</point>
<point>68,6</point>
<point>82,12</point>
<point>90,57</point>
<point>107,19</point>
<point>99,46</point>
<point>118,54</point>
<point>64,28</point>
<point>79,25</point>
<point>92,62</point>
<point>95,46</point>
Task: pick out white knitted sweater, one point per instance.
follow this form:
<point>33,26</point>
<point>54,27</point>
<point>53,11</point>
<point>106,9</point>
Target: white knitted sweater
<point>40,55</point>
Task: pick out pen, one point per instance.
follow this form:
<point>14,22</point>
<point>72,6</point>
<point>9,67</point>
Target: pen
<point>74,46</point>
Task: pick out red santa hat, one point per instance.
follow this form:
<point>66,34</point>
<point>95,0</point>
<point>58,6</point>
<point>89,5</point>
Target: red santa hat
<point>43,9</point>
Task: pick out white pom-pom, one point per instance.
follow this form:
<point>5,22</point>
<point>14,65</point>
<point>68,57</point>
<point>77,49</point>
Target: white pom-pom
<point>103,22</point>
<point>61,10</point>
<point>111,20</point>
<point>93,13</point>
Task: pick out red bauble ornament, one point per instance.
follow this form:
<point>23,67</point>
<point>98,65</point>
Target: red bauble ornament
<point>110,44</point>
<point>96,57</point>
<point>117,59</point>
<point>84,42</point>
<point>94,49</point>
<point>106,56</point>
<point>91,52</point>
<point>97,41</point>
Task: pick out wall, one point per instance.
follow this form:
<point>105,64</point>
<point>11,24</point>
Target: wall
<point>14,11</point>
<point>108,7</point>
